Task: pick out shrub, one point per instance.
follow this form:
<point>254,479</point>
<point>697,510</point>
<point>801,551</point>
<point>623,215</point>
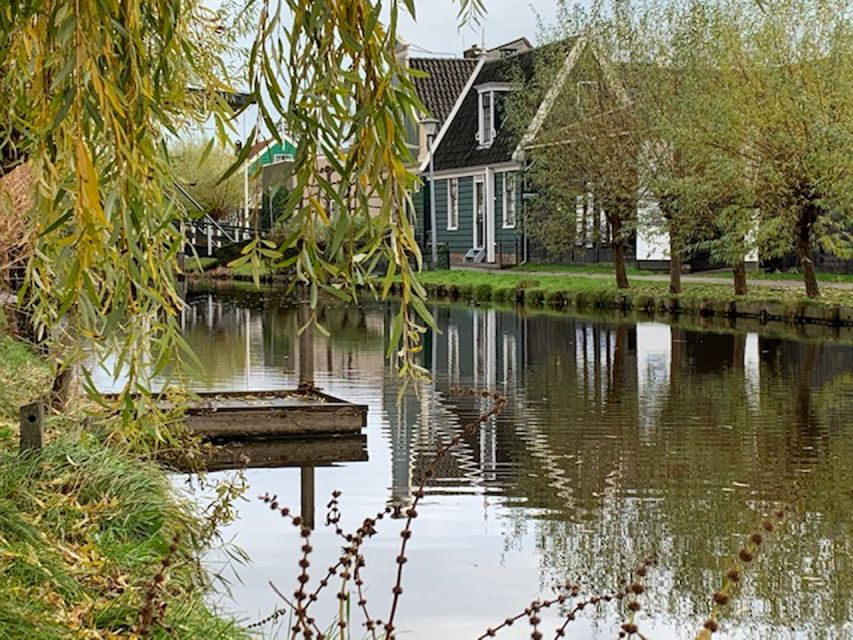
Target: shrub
<point>483,292</point>
<point>534,296</point>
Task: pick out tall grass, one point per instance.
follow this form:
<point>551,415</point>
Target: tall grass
<point>85,531</point>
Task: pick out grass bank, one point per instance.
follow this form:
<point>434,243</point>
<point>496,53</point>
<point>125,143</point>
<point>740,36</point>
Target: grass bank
<point>95,541</point>
<point>571,290</point>
<point>791,276</point>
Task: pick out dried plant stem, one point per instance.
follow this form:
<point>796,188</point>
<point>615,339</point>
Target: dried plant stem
<point>733,577</point>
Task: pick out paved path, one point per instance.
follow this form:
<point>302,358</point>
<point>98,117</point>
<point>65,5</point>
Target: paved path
<point>686,278</point>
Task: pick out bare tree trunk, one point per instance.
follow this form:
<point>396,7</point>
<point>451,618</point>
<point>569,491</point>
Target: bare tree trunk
<point>618,244</point>
<point>674,264</point>
<point>65,377</point>
<point>63,388</point>
<point>739,273</point>
<point>804,246</point>
<point>807,219</point>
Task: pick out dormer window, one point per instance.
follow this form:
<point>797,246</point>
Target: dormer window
<point>487,117</point>
<point>491,98</point>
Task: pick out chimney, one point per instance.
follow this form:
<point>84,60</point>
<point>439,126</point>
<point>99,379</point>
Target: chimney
<point>472,53</point>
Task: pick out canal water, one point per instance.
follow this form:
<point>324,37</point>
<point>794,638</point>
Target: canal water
<point>621,439</point>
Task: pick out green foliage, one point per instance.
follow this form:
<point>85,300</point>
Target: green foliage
<point>737,121</point>
<point>98,87</point>
<point>483,292</point>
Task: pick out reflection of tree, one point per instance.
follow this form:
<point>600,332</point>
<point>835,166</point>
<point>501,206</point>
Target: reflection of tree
<point>682,491</point>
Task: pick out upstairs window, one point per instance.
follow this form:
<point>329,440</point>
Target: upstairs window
<point>509,200</point>
<point>453,204</point>
<point>487,115</point>
<point>490,108</point>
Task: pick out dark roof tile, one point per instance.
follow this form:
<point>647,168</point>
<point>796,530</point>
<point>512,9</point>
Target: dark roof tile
<point>446,80</point>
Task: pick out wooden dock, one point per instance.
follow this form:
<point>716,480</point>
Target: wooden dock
<point>273,414</point>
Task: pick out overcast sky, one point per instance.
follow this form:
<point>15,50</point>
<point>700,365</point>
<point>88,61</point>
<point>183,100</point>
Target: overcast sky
<point>437,29</point>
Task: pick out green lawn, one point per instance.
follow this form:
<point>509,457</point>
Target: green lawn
<point>578,268</point>
<point>500,285</point>
<point>633,271</point>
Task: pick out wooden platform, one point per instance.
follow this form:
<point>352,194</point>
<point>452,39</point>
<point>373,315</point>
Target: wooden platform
<point>267,414</point>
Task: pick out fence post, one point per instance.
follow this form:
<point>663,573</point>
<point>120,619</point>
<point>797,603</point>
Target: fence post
<point>209,240</point>
<point>32,426</point>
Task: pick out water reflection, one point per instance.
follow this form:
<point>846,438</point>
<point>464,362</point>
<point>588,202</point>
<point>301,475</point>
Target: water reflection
<point>620,439</point>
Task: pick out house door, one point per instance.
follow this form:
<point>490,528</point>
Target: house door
<point>479,213</point>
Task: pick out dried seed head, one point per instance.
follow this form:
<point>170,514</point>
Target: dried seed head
<point>634,606</point>
<point>756,538</point>
<point>637,588</point>
<point>712,625</point>
<point>721,598</point>
<point>733,575</point>
<point>745,555</point>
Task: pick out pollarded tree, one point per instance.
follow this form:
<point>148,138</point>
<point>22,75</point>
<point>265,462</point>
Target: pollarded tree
<point>779,116</point>
<point>582,156</point>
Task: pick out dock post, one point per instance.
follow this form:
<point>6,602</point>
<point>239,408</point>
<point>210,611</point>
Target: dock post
<point>307,494</point>
<point>32,426</point>
<point>306,345</point>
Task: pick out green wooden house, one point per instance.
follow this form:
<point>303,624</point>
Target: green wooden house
<point>478,162</point>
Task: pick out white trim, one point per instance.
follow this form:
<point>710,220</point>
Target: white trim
<point>470,172</point>
<point>550,98</point>
<point>285,138</point>
<point>493,86</point>
<point>449,120</point>
<point>455,206</point>
<point>490,215</point>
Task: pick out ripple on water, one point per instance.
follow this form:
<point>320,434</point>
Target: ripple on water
<point>619,440</point>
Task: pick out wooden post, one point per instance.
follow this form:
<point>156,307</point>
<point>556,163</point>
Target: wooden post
<point>307,494</point>
<point>306,346</point>
<point>32,426</point>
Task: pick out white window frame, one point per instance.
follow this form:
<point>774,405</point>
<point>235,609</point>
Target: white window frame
<point>491,89</point>
<point>282,157</point>
<point>487,129</point>
<point>453,204</point>
<point>510,197</point>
